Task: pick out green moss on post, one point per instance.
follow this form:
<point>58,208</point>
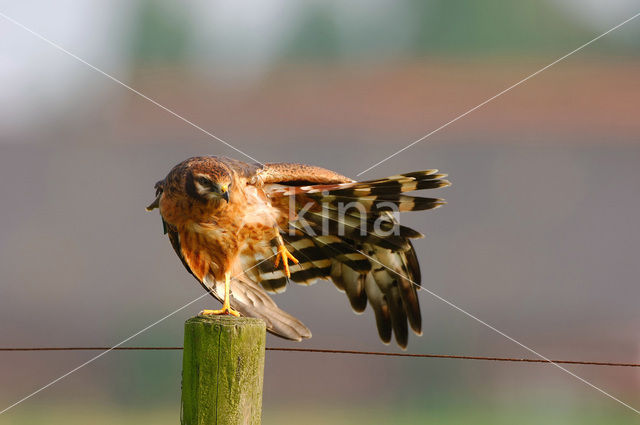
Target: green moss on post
<point>222,370</point>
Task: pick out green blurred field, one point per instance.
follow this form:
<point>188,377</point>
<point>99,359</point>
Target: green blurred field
<point>523,414</point>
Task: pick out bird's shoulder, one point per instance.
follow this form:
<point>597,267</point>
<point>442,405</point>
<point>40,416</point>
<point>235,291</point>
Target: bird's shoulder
<point>295,174</point>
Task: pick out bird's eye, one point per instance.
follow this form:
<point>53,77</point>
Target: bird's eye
<point>204,181</point>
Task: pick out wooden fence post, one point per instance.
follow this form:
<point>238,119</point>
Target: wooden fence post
<point>222,370</point>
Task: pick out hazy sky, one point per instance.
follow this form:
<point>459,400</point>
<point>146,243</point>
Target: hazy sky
<point>246,37</point>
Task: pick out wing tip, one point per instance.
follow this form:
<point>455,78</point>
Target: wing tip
<point>445,183</point>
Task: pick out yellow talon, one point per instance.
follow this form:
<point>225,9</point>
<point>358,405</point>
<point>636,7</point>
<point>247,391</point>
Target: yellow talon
<point>285,256</point>
<point>224,310</point>
<point>226,306</point>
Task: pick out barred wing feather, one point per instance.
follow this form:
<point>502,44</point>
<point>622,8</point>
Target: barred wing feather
<point>362,249</point>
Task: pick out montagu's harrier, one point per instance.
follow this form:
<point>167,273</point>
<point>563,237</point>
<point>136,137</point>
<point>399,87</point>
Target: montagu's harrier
<point>237,226</point>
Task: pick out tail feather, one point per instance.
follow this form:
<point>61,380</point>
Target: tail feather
<point>251,300</point>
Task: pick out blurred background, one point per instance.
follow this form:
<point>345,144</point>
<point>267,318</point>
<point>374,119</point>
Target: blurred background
<point>540,237</point>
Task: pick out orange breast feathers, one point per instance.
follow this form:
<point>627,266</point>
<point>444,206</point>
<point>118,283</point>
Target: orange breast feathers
<point>211,240</point>
<point>207,252</point>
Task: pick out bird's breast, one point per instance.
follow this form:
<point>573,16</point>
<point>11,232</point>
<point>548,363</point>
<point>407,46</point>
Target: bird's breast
<point>212,239</point>
<point>181,211</point>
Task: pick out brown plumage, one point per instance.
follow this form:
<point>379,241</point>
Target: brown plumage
<point>228,218</point>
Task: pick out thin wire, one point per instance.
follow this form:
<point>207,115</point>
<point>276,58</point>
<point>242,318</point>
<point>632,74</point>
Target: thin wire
<point>477,319</point>
<point>331,351</point>
<point>217,138</point>
<point>115,347</point>
<point>97,356</point>
<point>485,324</point>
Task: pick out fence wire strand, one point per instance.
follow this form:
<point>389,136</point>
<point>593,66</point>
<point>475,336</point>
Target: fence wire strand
<point>332,351</point>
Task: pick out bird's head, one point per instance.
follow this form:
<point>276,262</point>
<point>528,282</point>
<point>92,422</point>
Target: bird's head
<point>205,180</point>
<point>208,184</point>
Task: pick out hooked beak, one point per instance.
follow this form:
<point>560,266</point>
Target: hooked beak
<point>225,195</point>
<point>156,202</point>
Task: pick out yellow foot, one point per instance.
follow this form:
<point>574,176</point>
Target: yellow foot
<point>224,310</point>
<point>285,256</point>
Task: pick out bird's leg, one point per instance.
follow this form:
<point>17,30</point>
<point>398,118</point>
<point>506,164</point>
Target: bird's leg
<point>285,256</point>
<point>226,307</point>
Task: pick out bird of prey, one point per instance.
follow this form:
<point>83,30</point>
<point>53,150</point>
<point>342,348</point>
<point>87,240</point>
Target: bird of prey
<point>242,229</point>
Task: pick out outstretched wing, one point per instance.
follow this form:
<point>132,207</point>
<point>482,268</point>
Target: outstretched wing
<point>363,250</point>
<point>353,248</point>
